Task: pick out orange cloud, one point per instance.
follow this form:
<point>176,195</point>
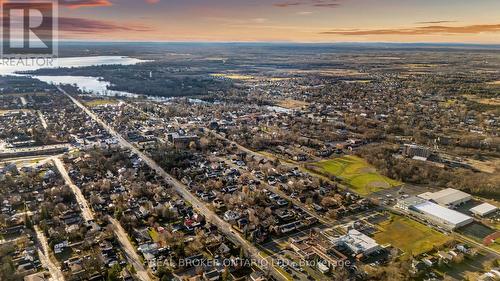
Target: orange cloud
<point>424,30</point>
<point>75,4</point>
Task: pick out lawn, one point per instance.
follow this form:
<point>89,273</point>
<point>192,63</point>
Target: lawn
<point>409,236</point>
<point>357,173</point>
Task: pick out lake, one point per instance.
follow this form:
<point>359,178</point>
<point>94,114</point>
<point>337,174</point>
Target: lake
<point>89,84</point>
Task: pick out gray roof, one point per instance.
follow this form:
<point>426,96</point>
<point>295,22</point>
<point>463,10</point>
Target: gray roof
<point>446,196</point>
<point>450,216</point>
<point>483,209</point>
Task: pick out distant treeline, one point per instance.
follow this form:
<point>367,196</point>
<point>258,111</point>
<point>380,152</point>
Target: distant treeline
<point>154,79</point>
<point>21,84</point>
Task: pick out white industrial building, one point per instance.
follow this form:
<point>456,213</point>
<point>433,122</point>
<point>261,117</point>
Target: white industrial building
<point>359,243</point>
<point>435,213</point>
<point>449,198</point>
<point>484,209</point>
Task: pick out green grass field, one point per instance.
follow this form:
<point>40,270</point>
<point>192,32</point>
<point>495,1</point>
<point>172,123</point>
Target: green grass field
<point>357,173</point>
<point>409,236</point>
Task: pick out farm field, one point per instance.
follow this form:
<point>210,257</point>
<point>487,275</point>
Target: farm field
<point>357,173</point>
<point>409,236</point>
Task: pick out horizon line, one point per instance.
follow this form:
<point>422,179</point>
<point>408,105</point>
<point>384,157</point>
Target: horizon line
<point>276,42</point>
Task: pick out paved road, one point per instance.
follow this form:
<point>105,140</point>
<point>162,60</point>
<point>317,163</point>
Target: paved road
<point>42,119</point>
<point>84,206</point>
<point>181,189</point>
<point>23,101</point>
<point>132,256</point>
<point>28,160</point>
<point>88,215</point>
<point>47,149</point>
<point>408,188</point>
<point>44,253</point>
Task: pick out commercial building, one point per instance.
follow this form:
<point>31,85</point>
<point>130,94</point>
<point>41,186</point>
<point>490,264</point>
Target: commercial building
<point>412,150</point>
<point>359,243</point>
<point>449,198</point>
<point>484,209</point>
<point>435,213</point>
<point>318,246</point>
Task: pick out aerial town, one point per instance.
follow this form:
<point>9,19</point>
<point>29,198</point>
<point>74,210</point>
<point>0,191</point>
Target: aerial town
<point>382,167</point>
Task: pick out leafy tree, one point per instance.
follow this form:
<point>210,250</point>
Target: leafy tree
<point>114,273</point>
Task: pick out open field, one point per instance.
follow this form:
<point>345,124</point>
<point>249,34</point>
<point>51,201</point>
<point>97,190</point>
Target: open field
<point>420,66</point>
<point>485,101</point>
<point>292,104</point>
<point>99,102</point>
<point>233,76</point>
<point>329,72</point>
<point>487,166</point>
<point>357,173</point>
<point>409,236</point>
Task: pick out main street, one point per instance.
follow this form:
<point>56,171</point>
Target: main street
<point>181,189</point>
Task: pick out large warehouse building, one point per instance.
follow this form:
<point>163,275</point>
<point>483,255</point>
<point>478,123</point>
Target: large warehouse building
<point>435,213</point>
<point>449,198</point>
<point>484,209</point>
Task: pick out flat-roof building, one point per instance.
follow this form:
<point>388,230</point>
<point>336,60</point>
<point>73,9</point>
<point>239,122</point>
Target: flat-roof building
<point>449,197</point>
<point>359,243</point>
<point>435,213</point>
<point>484,209</point>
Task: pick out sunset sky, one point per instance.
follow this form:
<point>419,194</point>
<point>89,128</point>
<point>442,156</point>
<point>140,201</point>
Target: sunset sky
<point>470,21</point>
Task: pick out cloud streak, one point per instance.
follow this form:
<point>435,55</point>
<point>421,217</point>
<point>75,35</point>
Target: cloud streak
<point>311,3</point>
<point>81,25</point>
<point>435,22</point>
<point>424,30</point>
<point>75,4</point>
